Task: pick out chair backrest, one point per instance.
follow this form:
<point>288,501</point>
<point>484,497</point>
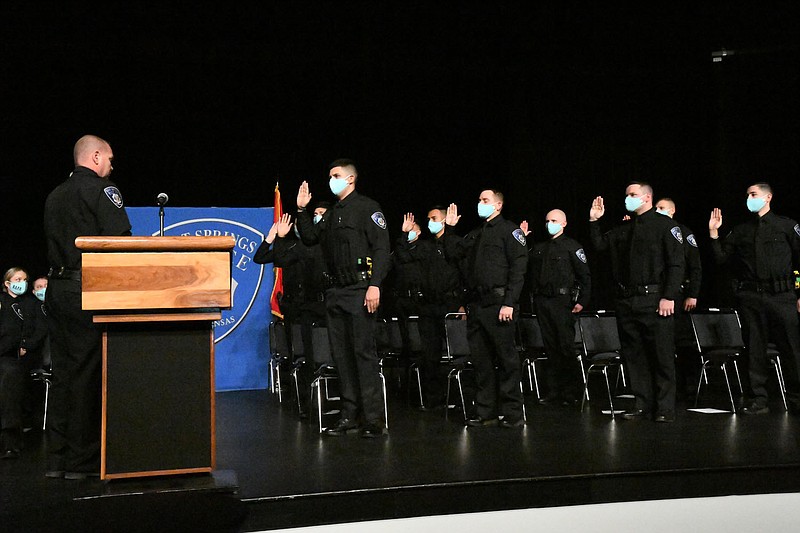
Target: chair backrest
<point>599,334</point>
<point>298,346</point>
<point>388,339</point>
<point>714,329</point>
<point>455,329</point>
<point>321,345</point>
<point>278,341</point>
<point>530,332</point>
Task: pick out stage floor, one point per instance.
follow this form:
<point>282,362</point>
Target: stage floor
<point>285,474</point>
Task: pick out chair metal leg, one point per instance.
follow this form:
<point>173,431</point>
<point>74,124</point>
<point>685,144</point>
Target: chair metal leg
<point>461,394</point>
<point>728,384</point>
<point>608,388</point>
<point>781,384</point>
<point>524,411</point>
<point>316,383</point>
<point>536,380</point>
<point>296,380</point>
<point>703,374</point>
<point>47,401</point>
<point>585,378</point>
<point>738,377</point>
<point>385,402</point>
<point>700,382</point>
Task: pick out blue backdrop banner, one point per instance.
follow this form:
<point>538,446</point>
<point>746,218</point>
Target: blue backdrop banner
<point>241,336</point>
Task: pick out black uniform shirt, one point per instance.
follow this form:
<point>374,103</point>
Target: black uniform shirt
<point>693,274</point>
<point>440,276</point>
<point>496,257</point>
<point>85,204</point>
<point>560,263</point>
<point>762,249</point>
<point>646,250</point>
<point>408,260</point>
<point>352,230</point>
<point>18,324</point>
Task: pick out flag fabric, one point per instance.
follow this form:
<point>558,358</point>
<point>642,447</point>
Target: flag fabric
<point>277,287</point>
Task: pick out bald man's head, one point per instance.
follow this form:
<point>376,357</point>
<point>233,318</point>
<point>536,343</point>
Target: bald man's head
<point>557,215</point>
<point>555,222</point>
<point>94,153</point>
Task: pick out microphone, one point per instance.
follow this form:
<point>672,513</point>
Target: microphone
<point>162,199</point>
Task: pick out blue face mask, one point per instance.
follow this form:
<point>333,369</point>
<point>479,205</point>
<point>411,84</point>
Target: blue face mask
<point>337,185</point>
<point>412,235</point>
<point>435,227</point>
<point>18,287</point>
<point>40,294</point>
<point>756,204</point>
<point>662,212</point>
<point>553,228</point>
<point>632,203</point>
<point>317,219</point>
<point>485,210</point>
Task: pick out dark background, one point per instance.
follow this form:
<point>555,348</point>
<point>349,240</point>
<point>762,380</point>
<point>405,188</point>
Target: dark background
<point>553,103</point>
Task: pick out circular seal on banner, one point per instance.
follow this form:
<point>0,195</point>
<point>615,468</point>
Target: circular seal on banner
<point>246,275</point>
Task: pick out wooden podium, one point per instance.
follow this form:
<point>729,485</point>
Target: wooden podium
<point>157,298</point>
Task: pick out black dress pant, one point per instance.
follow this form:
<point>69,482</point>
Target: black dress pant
<point>12,386</point>
<point>351,330</point>
<point>492,343</point>
<point>648,348</point>
<point>557,322</point>
<point>432,334</point>
<point>73,419</point>
<point>768,317</point>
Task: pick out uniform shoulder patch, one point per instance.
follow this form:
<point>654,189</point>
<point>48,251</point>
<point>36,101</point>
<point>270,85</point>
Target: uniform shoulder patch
<point>797,229</point>
<point>691,240</point>
<point>580,254</point>
<point>17,311</point>
<point>519,235</point>
<point>44,310</point>
<point>114,195</point>
<point>676,232</point>
<point>379,219</point>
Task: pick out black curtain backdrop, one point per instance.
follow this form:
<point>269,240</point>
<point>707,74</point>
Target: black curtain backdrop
<point>553,104</point>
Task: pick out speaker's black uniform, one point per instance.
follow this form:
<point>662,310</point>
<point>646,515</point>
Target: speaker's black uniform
<point>647,262</point>
<point>355,245</point>
<point>764,252</point>
<point>84,204</point>
<point>495,263</point>
<point>559,278</point>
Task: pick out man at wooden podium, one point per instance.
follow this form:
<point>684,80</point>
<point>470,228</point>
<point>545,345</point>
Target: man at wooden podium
<point>87,203</point>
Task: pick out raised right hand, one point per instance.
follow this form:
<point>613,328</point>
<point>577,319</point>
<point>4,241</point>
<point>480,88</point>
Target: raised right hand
<point>408,222</point>
<point>303,195</point>
<point>715,222</point>
<point>452,217</point>
<point>597,210</point>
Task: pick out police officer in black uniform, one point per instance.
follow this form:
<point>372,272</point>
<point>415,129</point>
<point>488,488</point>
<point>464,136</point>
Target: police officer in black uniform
<point>560,283</point>
<point>440,293</point>
<point>406,278</point>
<point>647,262</point>
<point>355,245</point>
<point>495,261</point>
<point>303,298</point>
<point>87,203</point>
<point>685,344</point>
<point>764,252</point>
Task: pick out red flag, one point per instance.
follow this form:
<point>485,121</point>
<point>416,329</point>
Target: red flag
<point>277,287</point>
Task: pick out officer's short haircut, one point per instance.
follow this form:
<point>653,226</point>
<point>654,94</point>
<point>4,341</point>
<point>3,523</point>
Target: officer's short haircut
<point>87,143</point>
<point>347,164</point>
<point>764,186</point>
<point>646,187</point>
<point>667,199</point>
<point>322,204</point>
<point>442,209</point>
<point>497,194</point>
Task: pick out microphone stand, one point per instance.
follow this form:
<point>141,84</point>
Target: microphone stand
<point>161,219</point>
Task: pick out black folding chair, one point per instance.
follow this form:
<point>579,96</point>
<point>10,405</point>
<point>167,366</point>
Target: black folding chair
<point>457,356</point>
<point>718,334</point>
<point>532,348</point>
<point>601,349</point>
<point>280,356</point>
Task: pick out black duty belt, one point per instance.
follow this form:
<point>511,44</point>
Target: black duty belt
<point>409,294</point>
<point>64,273</point>
<point>557,291</point>
<point>772,287</point>
<point>352,278</point>
<point>624,291</point>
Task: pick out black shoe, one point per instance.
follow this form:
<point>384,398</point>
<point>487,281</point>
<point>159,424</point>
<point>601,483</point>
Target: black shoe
<point>342,427</point>
<point>54,474</point>
<point>373,431</point>
<point>754,408</point>
<point>637,414</point>
<point>478,422</point>
<point>665,417</point>
<point>10,454</point>
<point>80,476</point>
<point>510,424</point>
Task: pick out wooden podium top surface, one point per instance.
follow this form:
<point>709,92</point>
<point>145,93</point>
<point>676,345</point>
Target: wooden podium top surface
<point>221,243</point>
